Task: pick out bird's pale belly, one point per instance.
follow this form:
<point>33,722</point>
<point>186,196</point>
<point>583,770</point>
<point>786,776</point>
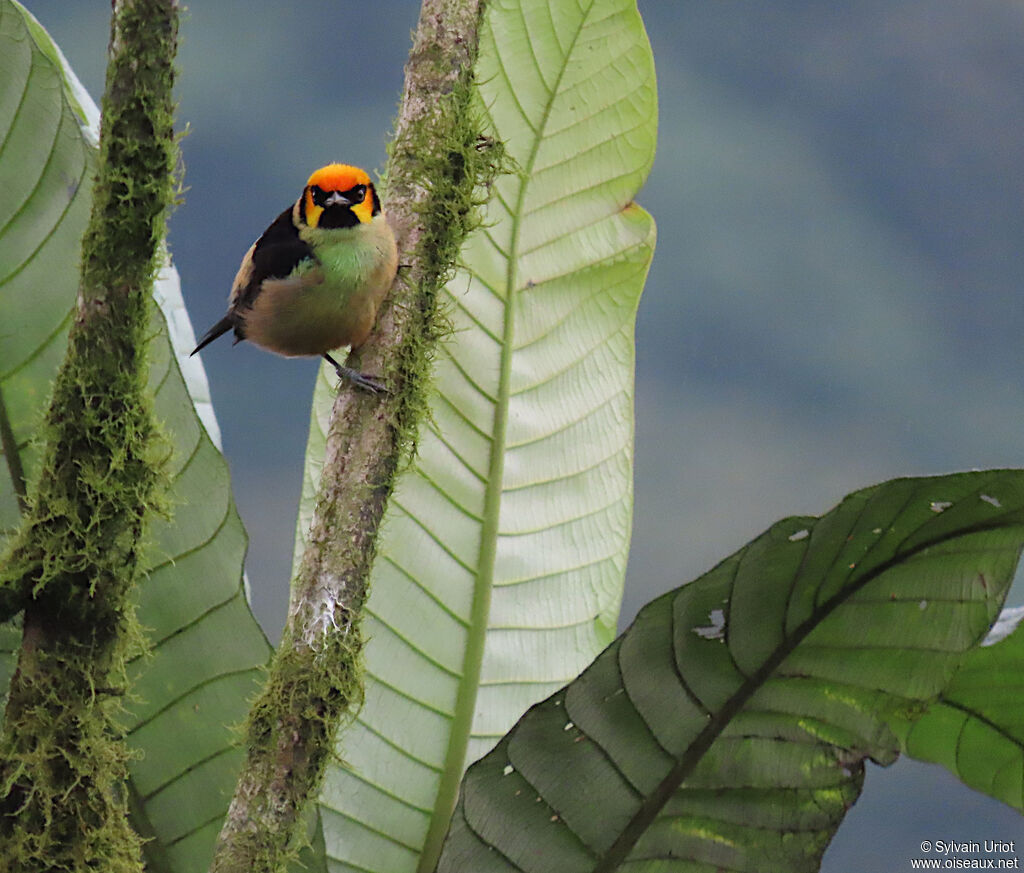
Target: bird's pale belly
<point>298,318</point>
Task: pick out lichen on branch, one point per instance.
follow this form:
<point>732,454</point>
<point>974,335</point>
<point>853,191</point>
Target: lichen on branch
<point>75,558</point>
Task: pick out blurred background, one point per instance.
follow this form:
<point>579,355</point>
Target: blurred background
<point>835,299</point>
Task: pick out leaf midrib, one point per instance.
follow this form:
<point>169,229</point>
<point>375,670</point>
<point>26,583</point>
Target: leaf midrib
<point>465,704</point>
<point>617,853</point>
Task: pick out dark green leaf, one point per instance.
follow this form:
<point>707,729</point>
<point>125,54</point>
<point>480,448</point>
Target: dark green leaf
<point>727,728</point>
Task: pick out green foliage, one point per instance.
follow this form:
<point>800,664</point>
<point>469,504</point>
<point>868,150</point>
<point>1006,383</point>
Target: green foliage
<point>729,724</point>
<point>192,688</point>
<point>44,172</point>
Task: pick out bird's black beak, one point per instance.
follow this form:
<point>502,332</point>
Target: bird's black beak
<point>336,197</point>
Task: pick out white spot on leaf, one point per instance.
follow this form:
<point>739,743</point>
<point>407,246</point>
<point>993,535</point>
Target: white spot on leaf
<point>940,505</point>
<point>715,630</point>
<point>799,535</point>
<point>988,498</point>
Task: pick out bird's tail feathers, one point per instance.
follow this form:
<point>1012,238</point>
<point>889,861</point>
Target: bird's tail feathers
<point>219,329</point>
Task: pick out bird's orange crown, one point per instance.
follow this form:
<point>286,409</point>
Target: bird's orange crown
<point>338,177</point>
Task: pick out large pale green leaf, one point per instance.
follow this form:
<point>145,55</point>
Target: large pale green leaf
<point>207,651</point>
<point>726,729</point>
<point>500,568</point>
<point>46,165</point>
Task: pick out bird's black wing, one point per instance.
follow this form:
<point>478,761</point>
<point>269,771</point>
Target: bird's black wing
<point>274,255</point>
<point>279,251</point>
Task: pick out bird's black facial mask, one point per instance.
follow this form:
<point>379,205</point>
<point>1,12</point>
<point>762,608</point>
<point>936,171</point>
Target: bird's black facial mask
<point>337,211</point>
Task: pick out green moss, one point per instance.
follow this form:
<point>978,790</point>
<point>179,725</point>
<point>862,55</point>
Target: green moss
<point>460,164</point>
<point>76,557</point>
<point>298,712</point>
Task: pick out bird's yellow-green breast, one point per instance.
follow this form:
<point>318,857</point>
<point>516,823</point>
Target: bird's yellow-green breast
<point>331,301</point>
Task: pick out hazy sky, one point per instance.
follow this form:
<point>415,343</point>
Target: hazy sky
<point>835,299</point>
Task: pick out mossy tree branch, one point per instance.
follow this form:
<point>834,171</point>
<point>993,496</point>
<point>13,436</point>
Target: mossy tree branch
<point>438,166</point>
<point>76,557</point>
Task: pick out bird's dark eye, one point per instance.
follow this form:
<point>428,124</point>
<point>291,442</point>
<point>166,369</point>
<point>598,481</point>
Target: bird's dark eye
<point>319,195</point>
<point>356,194</point>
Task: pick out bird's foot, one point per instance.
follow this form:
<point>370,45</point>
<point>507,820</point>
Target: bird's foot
<point>360,380</point>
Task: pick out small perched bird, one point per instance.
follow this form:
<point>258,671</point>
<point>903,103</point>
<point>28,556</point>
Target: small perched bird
<point>315,278</point>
